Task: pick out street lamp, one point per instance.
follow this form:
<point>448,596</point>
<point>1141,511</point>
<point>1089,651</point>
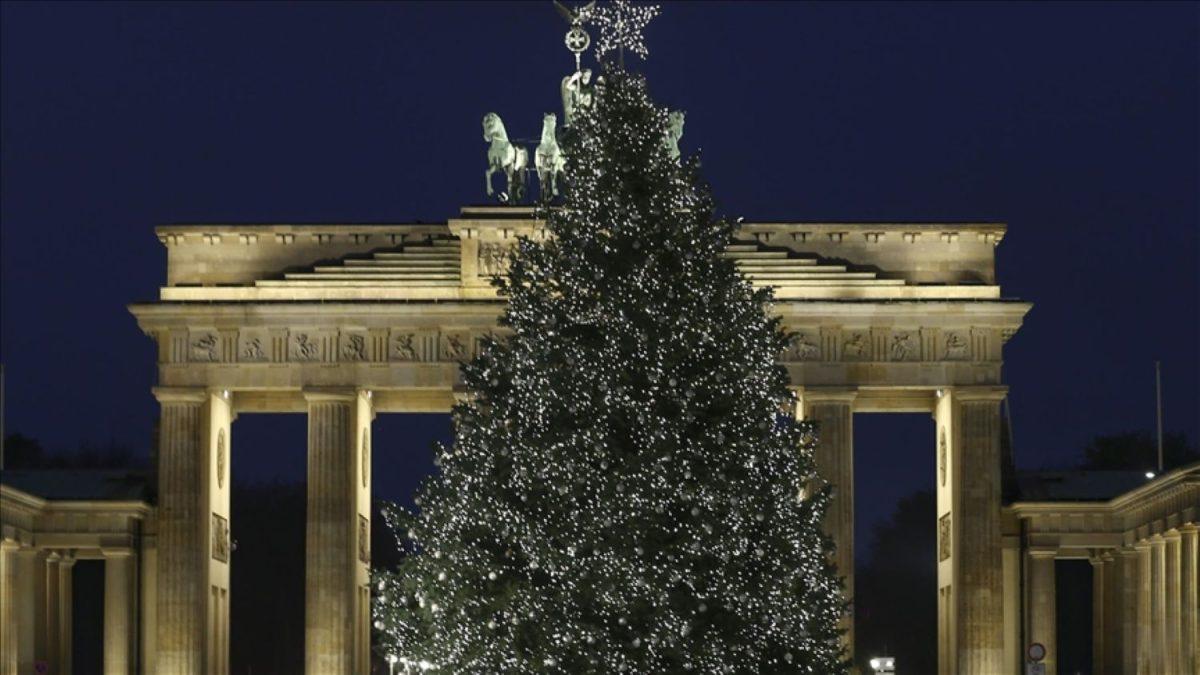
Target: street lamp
<point>884,665</point>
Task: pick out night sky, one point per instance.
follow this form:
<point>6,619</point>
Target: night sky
<point>1076,124</point>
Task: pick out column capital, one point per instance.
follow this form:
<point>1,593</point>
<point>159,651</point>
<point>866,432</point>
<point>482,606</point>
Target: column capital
<point>330,394</point>
<point>180,394</point>
<point>1189,528</point>
<point>979,393</point>
<point>809,395</point>
<point>1043,552</point>
<point>1172,535</point>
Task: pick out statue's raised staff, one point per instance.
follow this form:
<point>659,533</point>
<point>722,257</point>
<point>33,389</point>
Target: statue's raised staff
<point>549,159</point>
<point>504,156</point>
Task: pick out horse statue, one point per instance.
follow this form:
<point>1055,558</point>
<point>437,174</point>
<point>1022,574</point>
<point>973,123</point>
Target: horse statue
<point>549,159</point>
<point>504,156</point>
<point>674,133</point>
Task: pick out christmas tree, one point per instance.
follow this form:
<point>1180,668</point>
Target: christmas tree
<point>626,487</point>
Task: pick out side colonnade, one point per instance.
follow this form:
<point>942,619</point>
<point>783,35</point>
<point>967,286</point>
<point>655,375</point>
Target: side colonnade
<point>41,543</point>
<point>1143,547</point>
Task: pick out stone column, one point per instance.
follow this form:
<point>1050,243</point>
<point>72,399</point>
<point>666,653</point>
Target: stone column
<point>1113,617</point>
<point>1189,563</point>
<point>9,648</point>
<point>968,421</point>
<point>193,554</point>
<point>120,618</point>
<point>66,615</point>
<point>31,608</point>
<point>1172,586</point>
<point>1042,611</point>
<point>1099,604</point>
<point>1145,646</point>
<point>1130,586</point>
<point>50,615</point>
<point>833,412</point>
<point>337,618</point>
<point>1158,603</point>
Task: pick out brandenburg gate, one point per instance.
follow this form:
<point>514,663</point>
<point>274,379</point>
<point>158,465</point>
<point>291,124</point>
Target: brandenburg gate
<point>343,322</point>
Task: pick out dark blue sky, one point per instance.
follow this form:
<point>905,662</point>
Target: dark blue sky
<point>1074,123</point>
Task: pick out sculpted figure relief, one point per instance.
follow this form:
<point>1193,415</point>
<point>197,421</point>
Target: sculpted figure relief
<point>855,347</point>
<point>804,349</point>
<point>253,350</point>
<point>205,349</point>
<point>355,348</point>
<point>493,259</point>
<point>403,347</point>
<point>454,348</point>
<point>901,346</point>
<point>956,346</point>
<point>305,348</point>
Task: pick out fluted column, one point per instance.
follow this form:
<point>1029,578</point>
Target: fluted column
<point>1130,592</point>
<point>50,615</point>
<point>193,554</point>
<point>31,608</point>
<point>1042,610</point>
<point>1113,618</point>
<point>120,620</point>
<point>1099,604</point>
<point>8,614</point>
<point>1172,635</point>
<point>833,412</point>
<point>1189,562</point>
<point>66,599</point>
<point>968,421</point>
<point>1145,645</point>
<point>1158,603</point>
<point>337,619</point>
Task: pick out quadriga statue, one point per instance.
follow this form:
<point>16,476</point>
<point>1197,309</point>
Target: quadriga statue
<point>549,159</point>
<point>504,156</point>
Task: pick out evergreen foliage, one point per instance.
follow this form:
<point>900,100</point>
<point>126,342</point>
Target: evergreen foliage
<point>626,491</point>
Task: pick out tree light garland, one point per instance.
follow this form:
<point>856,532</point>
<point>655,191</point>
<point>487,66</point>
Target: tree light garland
<point>624,490</point>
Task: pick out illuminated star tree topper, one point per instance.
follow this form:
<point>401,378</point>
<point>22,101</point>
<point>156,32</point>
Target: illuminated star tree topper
<point>621,24</point>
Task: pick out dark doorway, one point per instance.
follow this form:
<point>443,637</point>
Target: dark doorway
<point>894,530</point>
<point>87,617</point>
<point>1073,625</point>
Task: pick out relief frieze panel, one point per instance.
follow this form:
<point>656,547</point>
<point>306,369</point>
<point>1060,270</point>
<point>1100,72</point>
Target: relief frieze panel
<point>804,346</point>
<point>955,346</point>
<point>903,345</point>
<point>305,346</point>
<point>253,347</point>
<point>856,345</point>
<point>353,347</point>
<point>205,346</point>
